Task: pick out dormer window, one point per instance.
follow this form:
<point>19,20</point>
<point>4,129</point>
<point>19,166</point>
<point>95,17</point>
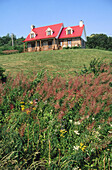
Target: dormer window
<point>49,31</point>
<point>32,34</point>
<point>69,31</point>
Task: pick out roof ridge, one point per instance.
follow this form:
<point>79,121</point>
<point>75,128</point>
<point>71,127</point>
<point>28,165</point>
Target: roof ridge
<point>48,25</point>
<point>73,26</point>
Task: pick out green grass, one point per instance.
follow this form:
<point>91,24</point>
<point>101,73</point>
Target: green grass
<point>62,61</point>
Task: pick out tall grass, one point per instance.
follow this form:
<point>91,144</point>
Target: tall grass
<point>54,123</point>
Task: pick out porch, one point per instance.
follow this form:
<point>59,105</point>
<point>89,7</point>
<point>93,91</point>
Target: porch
<point>42,45</point>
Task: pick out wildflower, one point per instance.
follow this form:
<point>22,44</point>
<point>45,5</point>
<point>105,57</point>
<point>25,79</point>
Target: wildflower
<point>81,144</point>
<point>77,123</point>
<point>62,135</point>
<point>31,102</point>
<point>22,108</point>
<point>76,168</point>
<point>70,121</point>
<point>75,147</point>
<point>28,111</point>
<point>82,147</point>
<point>21,102</point>
<point>99,127</point>
<point>11,106</point>
<point>34,108</point>
<point>75,131</point>
<point>62,131</point>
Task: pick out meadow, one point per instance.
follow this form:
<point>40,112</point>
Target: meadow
<point>63,121</point>
<point>64,62</point>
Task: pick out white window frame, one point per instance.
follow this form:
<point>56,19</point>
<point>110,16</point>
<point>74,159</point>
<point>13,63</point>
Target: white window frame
<point>32,33</point>
<point>69,29</point>
<point>49,30</point>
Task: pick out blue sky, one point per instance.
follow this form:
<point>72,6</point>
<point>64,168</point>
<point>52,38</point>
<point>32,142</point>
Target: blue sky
<point>16,16</point>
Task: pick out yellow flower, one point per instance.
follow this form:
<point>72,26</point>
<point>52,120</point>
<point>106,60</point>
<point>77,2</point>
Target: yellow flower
<point>63,131</point>
<point>34,108</point>
<point>82,147</point>
<point>22,108</point>
<point>28,111</point>
<point>21,102</point>
<point>31,102</point>
<point>81,144</point>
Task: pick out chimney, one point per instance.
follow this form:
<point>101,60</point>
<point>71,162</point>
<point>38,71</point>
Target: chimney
<point>32,27</point>
<point>81,23</point>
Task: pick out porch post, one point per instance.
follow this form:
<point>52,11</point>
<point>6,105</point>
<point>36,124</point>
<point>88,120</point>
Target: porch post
<point>40,45</point>
<point>54,44</point>
<point>67,42</point>
<point>36,45</point>
<point>57,43</point>
<point>24,47</point>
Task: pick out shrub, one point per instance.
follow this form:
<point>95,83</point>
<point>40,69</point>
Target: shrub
<point>66,47</point>
<point>2,76</point>
<point>19,48</point>
<point>76,47</point>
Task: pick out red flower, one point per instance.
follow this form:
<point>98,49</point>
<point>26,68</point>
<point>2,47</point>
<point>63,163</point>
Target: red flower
<point>11,106</point>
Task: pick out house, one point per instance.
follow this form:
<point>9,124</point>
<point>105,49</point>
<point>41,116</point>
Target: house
<point>55,37</point>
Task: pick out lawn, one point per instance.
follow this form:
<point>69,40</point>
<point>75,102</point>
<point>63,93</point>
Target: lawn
<point>62,61</point>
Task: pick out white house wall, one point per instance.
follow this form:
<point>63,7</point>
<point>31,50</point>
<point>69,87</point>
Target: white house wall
<point>84,35</point>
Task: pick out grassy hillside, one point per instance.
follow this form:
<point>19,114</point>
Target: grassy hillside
<point>49,123</point>
<point>62,61</point>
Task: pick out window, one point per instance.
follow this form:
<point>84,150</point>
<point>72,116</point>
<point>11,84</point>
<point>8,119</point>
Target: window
<point>69,42</point>
<point>61,43</point>
<point>48,32</point>
<point>69,31</point>
<point>32,35</point>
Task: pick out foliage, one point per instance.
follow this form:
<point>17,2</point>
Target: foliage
<point>74,47</point>
<point>51,123</point>
<point>2,76</point>
<point>99,41</point>
<point>6,43</point>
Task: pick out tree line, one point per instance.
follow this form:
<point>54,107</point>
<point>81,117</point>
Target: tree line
<point>99,41</point>
<point>6,43</point>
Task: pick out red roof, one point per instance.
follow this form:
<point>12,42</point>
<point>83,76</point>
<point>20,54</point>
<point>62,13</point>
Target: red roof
<point>41,32</point>
<point>77,32</point>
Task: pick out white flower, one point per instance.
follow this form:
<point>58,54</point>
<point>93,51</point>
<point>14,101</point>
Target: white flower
<point>75,131</point>
<point>75,147</point>
<point>99,127</point>
<point>70,121</point>
<point>92,150</point>
<point>77,123</point>
<point>109,131</point>
<point>76,168</point>
<point>93,118</point>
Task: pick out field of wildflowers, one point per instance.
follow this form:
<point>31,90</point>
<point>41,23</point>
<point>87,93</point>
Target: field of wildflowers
<point>54,123</point>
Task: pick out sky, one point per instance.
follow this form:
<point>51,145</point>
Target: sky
<point>17,16</point>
